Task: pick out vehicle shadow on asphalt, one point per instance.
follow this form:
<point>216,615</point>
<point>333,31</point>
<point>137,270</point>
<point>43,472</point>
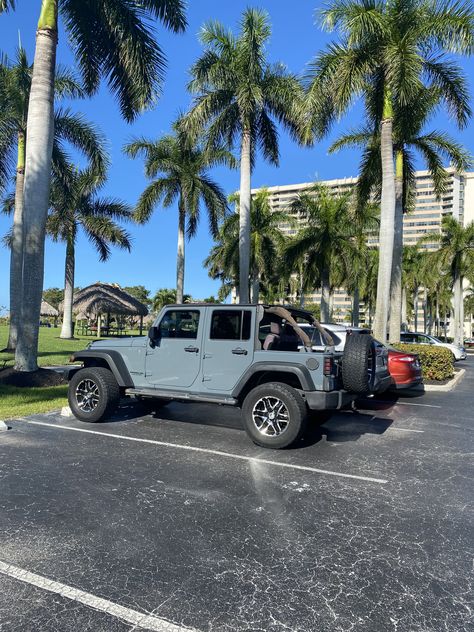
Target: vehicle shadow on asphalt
<point>339,427</point>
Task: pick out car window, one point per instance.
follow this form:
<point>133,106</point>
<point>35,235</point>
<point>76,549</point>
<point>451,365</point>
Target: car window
<point>422,340</point>
<point>230,324</point>
<point>179,324</point>
<point>407,338</point>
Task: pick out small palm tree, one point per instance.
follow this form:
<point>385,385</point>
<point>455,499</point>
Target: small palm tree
<point>112,40</point>
<point>267,243</point>
<point>455,255</point>
<point>389,48</point>
<point>167,296</point>
<point>325,237</point>
<point>412,277</point>
<point>74,205</point>
<point>71,128</point>
<point>239,97</point>
<point>178,166</point>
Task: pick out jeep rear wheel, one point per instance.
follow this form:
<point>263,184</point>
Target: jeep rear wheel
<point>274,415</point>
<point>359,364</point>
<point>93,394</point>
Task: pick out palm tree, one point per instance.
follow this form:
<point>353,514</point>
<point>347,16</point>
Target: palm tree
<point>325,238</point>
<point>111,39</point>
<point>167,296</point>
<point>74,205</point>
<point>267,243</point>
<point>456,255</point>
<point>389,48</point>
<point>179,166</point>
<point>15,86</point>
<point>435,148</point>
<point>240,95</point>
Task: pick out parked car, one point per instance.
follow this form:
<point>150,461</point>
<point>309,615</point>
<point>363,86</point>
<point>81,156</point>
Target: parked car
<point>257,357</point>
<point>339,334</point>
<point>459,353</point>
<point>469,343</point>
<point>404,368</point>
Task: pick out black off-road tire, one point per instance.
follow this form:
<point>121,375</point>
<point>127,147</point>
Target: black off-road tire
<point>293,403</point>
<point>100,381</point>
<point>359,364</point>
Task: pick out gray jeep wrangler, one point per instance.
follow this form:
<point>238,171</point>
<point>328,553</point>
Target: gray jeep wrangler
<point>256,357</point>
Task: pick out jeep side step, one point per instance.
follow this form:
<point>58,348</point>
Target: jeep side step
<point>179,395</point>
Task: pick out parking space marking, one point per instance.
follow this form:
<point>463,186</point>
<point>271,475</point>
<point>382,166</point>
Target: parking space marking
<point>231,455</point>
<point>406,429</point>
<point>381,401</point>
<point>138,619</point>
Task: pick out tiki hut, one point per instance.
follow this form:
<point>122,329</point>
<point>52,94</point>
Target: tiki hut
<point>105,298</point>
<point>48,310</point>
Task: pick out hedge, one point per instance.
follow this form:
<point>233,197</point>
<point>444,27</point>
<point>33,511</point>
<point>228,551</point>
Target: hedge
<point>437,363</point>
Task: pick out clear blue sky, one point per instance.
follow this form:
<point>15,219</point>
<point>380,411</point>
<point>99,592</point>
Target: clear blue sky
<point>295,40</point>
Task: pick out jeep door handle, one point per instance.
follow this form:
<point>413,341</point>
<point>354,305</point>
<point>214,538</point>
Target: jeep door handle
<point>191,349</point>
<point>239,351</point>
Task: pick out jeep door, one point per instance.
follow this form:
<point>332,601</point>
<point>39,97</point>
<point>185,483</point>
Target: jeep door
<point>175,360</point>
<point>229,347</point>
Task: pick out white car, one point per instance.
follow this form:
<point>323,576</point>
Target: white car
<point>459,353</point>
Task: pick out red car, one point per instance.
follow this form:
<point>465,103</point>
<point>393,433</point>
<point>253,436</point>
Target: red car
<point>404,368</point>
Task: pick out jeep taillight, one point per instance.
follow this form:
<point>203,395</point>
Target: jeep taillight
<point>328,366</point>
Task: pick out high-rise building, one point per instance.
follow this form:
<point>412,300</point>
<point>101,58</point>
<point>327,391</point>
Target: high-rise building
<point>425,218</point>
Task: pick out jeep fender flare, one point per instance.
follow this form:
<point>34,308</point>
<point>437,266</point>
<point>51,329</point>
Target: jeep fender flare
<point>301,372</point>
<point>112,359</point>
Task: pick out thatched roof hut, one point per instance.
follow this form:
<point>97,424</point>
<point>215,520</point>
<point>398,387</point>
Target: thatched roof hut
<point>105,298</point>
<point>48,310</point>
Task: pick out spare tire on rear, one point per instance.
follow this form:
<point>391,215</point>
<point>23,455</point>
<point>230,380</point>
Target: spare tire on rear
<point>358,364</point>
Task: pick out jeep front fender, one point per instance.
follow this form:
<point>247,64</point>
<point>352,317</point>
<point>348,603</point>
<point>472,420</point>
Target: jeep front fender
<point>112,359</point>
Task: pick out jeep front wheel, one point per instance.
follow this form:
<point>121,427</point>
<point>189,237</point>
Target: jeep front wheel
<point>274,415</point>
<point>93,394</point>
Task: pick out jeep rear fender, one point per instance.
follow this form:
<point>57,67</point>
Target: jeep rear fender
<point>300,372</point>
<point>110,359</point>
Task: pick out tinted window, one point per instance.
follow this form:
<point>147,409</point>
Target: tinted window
<point>407,338</point>
<point>180,324</point>
<point>227,324</point>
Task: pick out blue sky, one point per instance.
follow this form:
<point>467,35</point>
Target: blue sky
<point>296,39</point>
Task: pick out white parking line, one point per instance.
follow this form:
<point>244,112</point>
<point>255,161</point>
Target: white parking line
<point>139,619</point>
<point>405,429</point>
<point>381,401</point>
<point>250,459</point>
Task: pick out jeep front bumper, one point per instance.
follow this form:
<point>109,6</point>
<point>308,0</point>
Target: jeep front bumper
<point>321,400</point>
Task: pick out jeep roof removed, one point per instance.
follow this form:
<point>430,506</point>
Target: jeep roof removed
<point>257,357</point>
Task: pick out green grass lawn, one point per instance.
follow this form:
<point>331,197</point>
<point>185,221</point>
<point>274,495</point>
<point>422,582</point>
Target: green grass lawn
<point>19,402</point>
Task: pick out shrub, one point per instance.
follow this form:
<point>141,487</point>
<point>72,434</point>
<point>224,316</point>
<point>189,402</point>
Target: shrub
<point>437,363</point>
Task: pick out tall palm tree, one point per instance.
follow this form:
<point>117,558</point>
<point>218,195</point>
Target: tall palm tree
<point>112,40</point>
<point>435,148</point>
<point>240,95</point>
<point>456,255</point>
<point>325,237</point>
<point>267,243</point>
<point>178,166</point>
<point>75,204</point>
<point>15,86</point>
<point>412,277</point>
<point>390,48</point>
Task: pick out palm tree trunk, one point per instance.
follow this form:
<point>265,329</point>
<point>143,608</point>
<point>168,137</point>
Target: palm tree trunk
<point>325,297</point>
<point>16,255</point>
<point>180,257</point>
<point>425,311</point>
<point>39,148</point>
<point>415,307</point>
<point>301,288</point>
<point>396,285</point>
<point>356,306</point>
<point>255,286</point>
<point>437,316</point>
<point>458,299</point>
<point>244,219</point>
<point>387,223</point>
<point>66,329</point>
<point>404,306</point>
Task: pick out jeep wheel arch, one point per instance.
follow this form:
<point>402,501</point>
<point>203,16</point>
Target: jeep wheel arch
<point>109,359</point>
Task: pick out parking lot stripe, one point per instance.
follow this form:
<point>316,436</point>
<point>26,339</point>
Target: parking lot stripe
<point>395,403</point>
<point>231,455</point>
<point>405,429</point>
<point>138,619</point>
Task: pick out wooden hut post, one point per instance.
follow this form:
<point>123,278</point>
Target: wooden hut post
<point>141,325</point>
<point>99,322</point>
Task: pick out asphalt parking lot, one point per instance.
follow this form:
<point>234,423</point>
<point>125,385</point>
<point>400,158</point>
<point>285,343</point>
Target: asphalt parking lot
<point>177,522</point>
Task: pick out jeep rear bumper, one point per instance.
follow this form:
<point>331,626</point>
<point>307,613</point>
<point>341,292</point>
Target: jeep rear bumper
<point>320,400</point>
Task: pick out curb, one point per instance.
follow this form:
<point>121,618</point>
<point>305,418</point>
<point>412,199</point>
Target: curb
<point>446,387</point>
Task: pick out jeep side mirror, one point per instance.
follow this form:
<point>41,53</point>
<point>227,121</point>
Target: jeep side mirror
<point>154,335</point>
